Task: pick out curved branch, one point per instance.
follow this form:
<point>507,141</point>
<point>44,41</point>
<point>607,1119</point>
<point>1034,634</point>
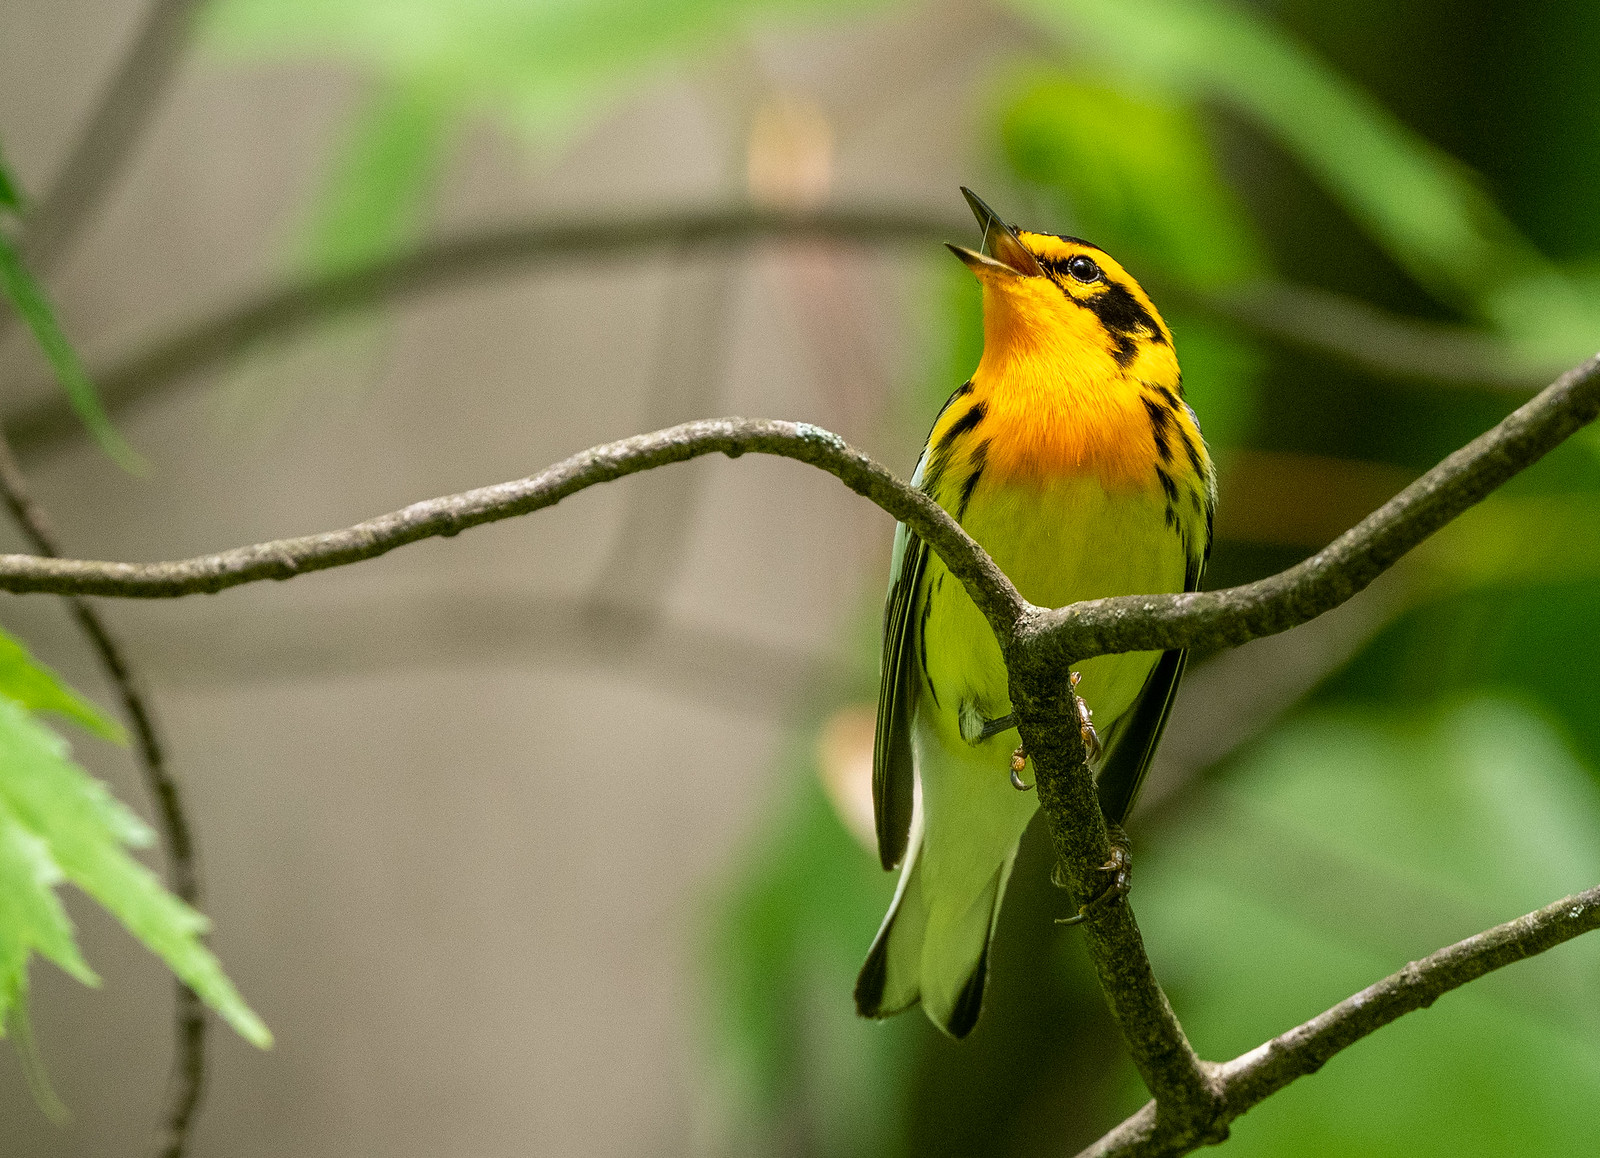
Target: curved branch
<point>1252,1077</point>
<point>1340,570</point>
<point>1351,331</point>
<point>450,515</point>
<point>1374,340</point>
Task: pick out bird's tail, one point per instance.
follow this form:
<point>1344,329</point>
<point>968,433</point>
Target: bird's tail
<point>932,952</point>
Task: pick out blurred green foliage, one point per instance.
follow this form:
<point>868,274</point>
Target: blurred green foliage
<point>793,1061</point>
<point>1354,839</point>
<point>28,298</point>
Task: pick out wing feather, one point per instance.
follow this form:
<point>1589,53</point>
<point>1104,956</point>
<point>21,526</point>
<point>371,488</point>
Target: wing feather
<point>893,773</point>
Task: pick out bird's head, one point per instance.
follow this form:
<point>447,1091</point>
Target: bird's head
<point>1064,299</point>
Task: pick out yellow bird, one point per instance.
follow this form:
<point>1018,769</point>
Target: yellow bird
<point>1071,456</point>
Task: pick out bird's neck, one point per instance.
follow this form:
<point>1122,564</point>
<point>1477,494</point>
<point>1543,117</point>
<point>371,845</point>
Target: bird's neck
<point>1064,412</point>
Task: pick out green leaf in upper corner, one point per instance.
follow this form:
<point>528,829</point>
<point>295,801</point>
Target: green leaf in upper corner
<point>1137,174</point>
<point>373,202</point>
<point>37,688</point>
<point>58,824</point>
<point>542,68</point>
<point>30,301</point>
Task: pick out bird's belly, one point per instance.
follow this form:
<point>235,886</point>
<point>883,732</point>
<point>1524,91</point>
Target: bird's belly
<point>1062,543</point>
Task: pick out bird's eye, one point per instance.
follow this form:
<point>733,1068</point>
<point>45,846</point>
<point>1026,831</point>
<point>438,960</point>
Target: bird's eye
<point>1084,269</point>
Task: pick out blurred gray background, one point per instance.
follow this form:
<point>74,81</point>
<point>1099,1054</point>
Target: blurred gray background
<point>456,808</point>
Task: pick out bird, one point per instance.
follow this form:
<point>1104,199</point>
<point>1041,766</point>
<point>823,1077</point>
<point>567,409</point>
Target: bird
<point>1073,459</point>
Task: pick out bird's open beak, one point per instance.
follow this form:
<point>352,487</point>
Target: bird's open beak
<point>1001,249</point>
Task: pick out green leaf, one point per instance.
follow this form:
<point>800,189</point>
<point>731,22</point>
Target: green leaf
<point>542,68</point>
<point>382,180</point>
<point>1138,172</point>
<point>59,824</point>
<point>39,689</point>
<point>30,301</point>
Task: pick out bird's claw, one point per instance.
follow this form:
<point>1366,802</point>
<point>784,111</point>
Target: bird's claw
<point>1091,739</point>
<point>1119,870</point>
<point>1019,761</point>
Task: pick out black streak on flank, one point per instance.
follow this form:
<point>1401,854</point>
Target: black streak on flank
<point>1192,450</point>
<point>922,648</point>
<point>936,462</point>
<point>979,457</point>
<point>1170,487</point>
<point>1160,424</point>
<point>946,445</point>
<point>967,422</point>
<point>1189,446</point>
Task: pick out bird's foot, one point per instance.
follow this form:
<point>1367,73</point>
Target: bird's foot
<point>1019,761</point>
<point>1119,876</point>
<point>992,728</point>
<point>1092,749</point>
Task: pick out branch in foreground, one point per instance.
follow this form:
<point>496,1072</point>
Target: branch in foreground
<point>1252,1077</point>
<point>1351,331</point>
<point>452,514</point>
<point>1051,730</point>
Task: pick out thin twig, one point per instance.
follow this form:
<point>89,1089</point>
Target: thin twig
<point>452,514</point>
<point>119,119</point>
<point>188,1071</point>
<point>1352,331</point>
<point>1254,1076</point>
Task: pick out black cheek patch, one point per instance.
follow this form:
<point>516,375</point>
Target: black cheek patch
<point>1120,312</point>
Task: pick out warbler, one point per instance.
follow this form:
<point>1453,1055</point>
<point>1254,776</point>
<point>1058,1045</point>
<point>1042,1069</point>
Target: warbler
<point>1071,456</point>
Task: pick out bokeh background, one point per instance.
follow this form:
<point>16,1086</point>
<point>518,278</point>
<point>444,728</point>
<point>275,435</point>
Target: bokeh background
<point>550,839</point>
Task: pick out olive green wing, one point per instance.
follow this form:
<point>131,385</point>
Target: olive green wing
<point>893,772</point>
